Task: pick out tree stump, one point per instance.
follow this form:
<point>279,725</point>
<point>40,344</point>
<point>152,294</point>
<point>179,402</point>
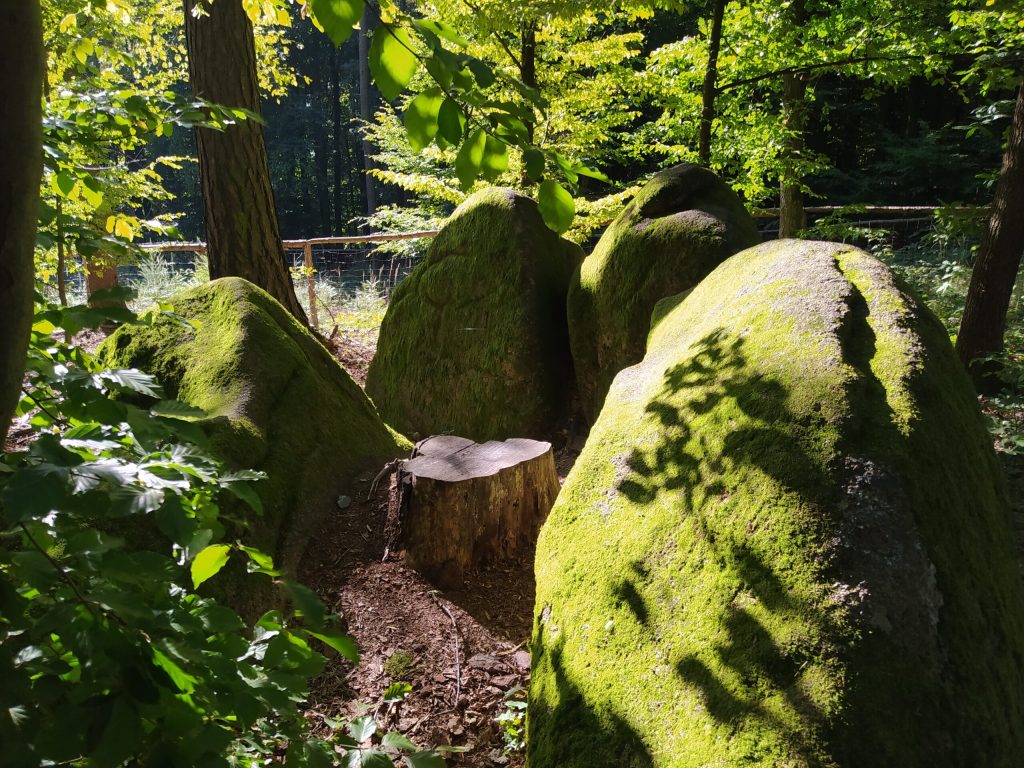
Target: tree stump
<point>465,504</point>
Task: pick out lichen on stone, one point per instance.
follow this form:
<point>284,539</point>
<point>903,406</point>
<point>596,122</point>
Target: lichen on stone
<point>474,342</point>
<point>677,229</point>
<point>786,541</point>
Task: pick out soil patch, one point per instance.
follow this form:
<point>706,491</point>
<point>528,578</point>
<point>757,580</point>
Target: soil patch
<point>463,652</point>
<point>354,351</point>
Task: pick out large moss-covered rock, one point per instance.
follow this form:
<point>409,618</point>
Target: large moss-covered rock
<point>679,227</point>
<point>786,542</point>
<point>474,341</point>
<point>277,402</point>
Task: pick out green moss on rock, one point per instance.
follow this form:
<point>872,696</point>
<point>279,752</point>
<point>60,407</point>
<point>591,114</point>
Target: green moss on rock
<point>277,402</point>
<point>474,341</point>
<point>679,227</point>
<point>786,543</point>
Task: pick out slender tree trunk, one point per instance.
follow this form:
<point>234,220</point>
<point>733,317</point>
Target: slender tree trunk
<point>995,269</point>
<point>242,231</point>
<point>21,162</point>
<point>339,134</point>
<point>62,264</point>
<point>792,217</point>
<point>710,90</point>
<point>366,109</point>
<point>528,61</point>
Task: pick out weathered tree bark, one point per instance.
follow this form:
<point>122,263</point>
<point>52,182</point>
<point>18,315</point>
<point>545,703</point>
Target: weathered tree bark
<point>465,504</point>
<point>792,217</point>
<point>366,108</point>
<point>242,232</point>
<point>998,260</point>
<point>338,136</point>
<point>21,166</point>
<point>710,90</point>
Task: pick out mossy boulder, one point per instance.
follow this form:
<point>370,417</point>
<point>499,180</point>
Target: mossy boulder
<point>679,227</point>
<point>277,402</point>
<point>786,542</point>
<point>474,341</point>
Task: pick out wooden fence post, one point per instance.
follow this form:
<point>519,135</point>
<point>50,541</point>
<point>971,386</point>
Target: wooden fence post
<point>307,250</point>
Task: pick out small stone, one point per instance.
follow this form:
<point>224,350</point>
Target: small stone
<point>344,502</point>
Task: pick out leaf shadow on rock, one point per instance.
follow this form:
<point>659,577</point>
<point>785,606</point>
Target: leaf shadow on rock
<point>696,469</point>
<point>574,734</point>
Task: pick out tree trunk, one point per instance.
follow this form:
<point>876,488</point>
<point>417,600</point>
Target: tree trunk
<point>366,109</point>
<point>710,90</point>
<point>464,504</point>
<point>528,62</point>
<point>792,217</point>
<point>998,260</point>
<point>242,232</point>
<point>338,136</point>
<point>21,162</point>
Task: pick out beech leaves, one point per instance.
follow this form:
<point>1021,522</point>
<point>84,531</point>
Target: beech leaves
<point>458,111</point>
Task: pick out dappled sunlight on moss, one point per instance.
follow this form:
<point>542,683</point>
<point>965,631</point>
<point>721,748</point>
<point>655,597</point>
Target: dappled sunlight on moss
<point>753,560</point>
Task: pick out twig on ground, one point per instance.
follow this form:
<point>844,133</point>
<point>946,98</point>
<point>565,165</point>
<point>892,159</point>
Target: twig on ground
<point>457,639</point>
<point>510,651</point>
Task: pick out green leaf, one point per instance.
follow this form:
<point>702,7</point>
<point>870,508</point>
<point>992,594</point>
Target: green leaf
<point>495,160</point>
<point>450,121</point>
<point>395,740</point>
<point>306,603</point>
<point>175,409</point>
<point>425,759</point>
<point>343,644</point>
<point>337,17</point>
<point>64,184</point>
<point>421,118</point>
<point>208,562</point>
<point>534,160</point>
<point>442,30</point>
<point>470,158</point>
<point>245,492</point>
<point>259,562</point>
<point>374,758</point>
<point>396,692</point>
<point>583,170</point>
<point>556,206</point>
<point>482,72</point>
<point>131,380</point>
<point>392,60</point>
<point>362,728</point>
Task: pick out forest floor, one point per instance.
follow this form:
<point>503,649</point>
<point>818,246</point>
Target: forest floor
<point>465,652</point>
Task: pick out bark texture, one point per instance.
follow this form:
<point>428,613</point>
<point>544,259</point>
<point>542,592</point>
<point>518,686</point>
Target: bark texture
<point>465,504</point>
<point>710,91</point>
<point>240,215</point>
<point>366,107</point>
<point>792,216</point>
<point>995,269</point>
<point>21,159</point>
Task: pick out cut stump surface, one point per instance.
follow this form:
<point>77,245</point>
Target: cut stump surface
<point>465,504</point>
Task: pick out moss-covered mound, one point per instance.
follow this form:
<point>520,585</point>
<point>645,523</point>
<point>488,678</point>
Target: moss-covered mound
<point>474,341</point>
<point>679,227</point>
<point>278,402</point>
<point>786,542</point>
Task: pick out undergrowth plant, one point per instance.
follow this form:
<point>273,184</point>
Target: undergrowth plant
<point>111,651</point>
